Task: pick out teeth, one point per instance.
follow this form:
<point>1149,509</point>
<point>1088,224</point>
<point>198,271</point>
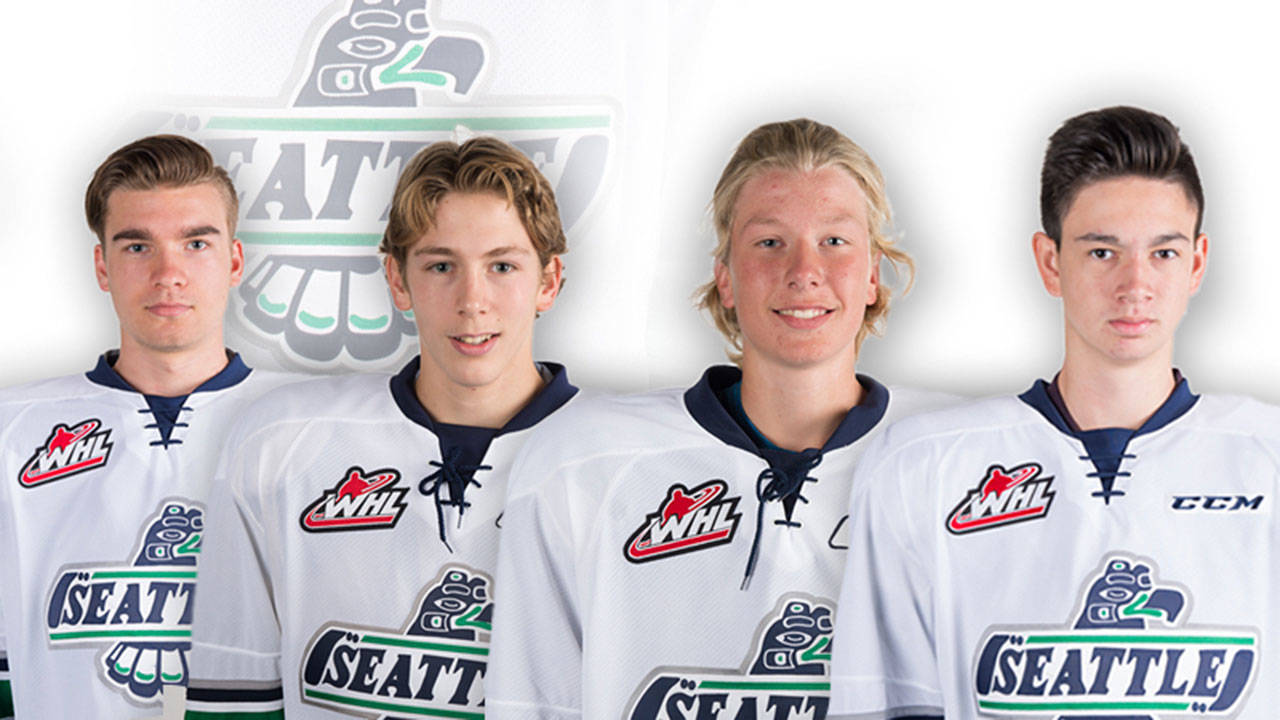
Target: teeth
<point>474,339</point>
<point>803,314</point>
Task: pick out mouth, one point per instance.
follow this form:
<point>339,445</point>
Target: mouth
<point>1131,326</point>
<point>168,309</point>
<point>803,317</point>
<point>474,344</point>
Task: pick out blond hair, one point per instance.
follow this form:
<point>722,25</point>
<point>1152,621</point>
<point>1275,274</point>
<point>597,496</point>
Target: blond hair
<point>801,145</point>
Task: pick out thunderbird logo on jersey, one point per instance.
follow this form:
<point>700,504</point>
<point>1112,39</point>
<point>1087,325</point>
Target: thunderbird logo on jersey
<point>140,611</point>
<point>378,81</point>
<point>360,501</point>
<point>1127,654</point>
<point>432,666</point>
<point>1002,498</point>
<point>784,677</point>
<point>687,520</point>
<point>69,450</point>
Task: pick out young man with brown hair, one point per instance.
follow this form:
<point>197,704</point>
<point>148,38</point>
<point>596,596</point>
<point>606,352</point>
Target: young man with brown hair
<point>1102,544</point>
<point>350,567</point>
<point>106,474</point>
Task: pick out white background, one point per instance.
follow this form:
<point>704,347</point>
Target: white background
<point>953,100</point>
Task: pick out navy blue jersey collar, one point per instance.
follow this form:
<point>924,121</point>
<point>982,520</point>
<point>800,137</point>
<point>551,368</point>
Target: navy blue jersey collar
<point>549,399</point>
<point>707,410</point>
<point>1046,400</point>
<point>104,374</point>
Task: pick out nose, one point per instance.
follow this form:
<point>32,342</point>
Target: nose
<point>804,268</point>
<point>1135,282</point>
<point>473,296</point>
<point>169,269</point>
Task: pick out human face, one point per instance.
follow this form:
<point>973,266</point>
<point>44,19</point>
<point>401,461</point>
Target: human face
<point>801,271</point>
<point>169,260</point>
<point>474,285</point>
<point>1128,264</point>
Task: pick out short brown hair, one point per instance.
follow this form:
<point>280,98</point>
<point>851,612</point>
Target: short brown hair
<point>802,145</point>
<point>479,165</point>
<point>158,161</point>
<point>1110,143</point>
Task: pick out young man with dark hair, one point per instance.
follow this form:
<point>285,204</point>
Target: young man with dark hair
<point>350,567</point>
<point>1100,545</point>
<point>106,473</point>
<point>683,549</point>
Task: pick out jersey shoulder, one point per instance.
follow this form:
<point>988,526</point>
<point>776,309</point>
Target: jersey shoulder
<point>961,421</point>
<point>1236,414</point>
<point>336,399</point>
<point>907,401</point>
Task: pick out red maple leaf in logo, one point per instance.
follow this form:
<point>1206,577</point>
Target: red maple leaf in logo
<point>998,482</point>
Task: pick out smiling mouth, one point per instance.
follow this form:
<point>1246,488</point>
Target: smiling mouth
<point>474,339</point>
<point>804,313</point>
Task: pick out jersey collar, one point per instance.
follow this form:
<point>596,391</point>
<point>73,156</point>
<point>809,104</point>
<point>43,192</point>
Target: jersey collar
<point>104,374</point>
<point>1046,400</point>
<point>710,413</point>
<point>555,393</point>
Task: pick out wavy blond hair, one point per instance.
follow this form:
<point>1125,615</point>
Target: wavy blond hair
<point>802,145</point>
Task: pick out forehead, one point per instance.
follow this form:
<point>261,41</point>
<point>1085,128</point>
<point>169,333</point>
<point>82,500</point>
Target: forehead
<point>202,204</point>
<point>474,223</point>
<point>781,196</point>
<point>1130,204</point>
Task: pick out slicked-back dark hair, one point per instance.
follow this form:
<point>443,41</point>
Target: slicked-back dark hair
<point>1109,143</point>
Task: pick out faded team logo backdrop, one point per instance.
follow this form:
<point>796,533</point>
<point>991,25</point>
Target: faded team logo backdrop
<point>384,80</point>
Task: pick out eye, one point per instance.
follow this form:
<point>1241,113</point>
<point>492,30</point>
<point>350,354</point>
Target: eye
<point>197,244</point>
<point>503,267</point>
<point>768,243</point>
<point>1102,253</point>
<point>439,267</point>
<point>134,248</point>
<point>1166,254</point>
<point>833,240</point>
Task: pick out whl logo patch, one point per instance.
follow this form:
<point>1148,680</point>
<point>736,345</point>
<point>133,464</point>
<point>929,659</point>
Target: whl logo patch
<point>1002,498</point>
<point>687,520</point>
<point>433,665</point>
<point>1127,653</point>
<point>784,676</point>
<point>360,501</point>
<point>139,611</point>
<point>69,450</point>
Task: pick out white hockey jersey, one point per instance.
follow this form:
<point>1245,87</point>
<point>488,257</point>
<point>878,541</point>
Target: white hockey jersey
<point>656,565</point>
<point>349,567</point>
<point>1005,563</point>
<point>101,520</point>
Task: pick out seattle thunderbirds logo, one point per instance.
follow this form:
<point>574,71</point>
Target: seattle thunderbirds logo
<point>380,81</point>
<point>785,675</point>
<point>1128,655</point>
<point>140,611</point>
<point>433,665</point>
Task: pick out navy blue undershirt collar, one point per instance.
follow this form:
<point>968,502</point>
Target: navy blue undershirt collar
<point>1107,448</point>
<point>165,410</point>
<point>704,404</point>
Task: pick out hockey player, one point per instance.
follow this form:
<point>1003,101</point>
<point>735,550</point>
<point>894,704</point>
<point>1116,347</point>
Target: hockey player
<point>106,473</point>
<point>678,554</point>
<point>1102,544</point>
<point>349,570</point>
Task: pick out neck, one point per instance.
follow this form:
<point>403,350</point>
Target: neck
<point>169,374</point>
<point>486,406</point>
<point>1114,396</point>
<point>798,408</point>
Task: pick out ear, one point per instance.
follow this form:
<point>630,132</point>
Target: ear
<point>399,290</point>
<point>1199,261</point>
<point>237,261</point>
<point>552,274</point>
<point>1048,262</point>
<point>100,267</point>
<point>873,283</point>
<point>724,284</point>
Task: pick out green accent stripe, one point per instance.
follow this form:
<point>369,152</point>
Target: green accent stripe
<point>316,321</point>
<point>270,307</point>
<point>310,238</point>
<point>422,645</point>
<point>6,699</point>
<point>144,574</point>
<point>436,124</point>
<point>1096,705</point>
<point>376,705</point>
<point>761,685</point>
<point>1144,639</point>
<point>91,634</point>
<point>377,323</point>
<point>255,715</point>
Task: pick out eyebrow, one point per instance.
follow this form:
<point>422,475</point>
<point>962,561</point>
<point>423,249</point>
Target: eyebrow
<point>450,252</point>
<point>142,234</point>
<point>1113,240</point>
<point>774,222</point>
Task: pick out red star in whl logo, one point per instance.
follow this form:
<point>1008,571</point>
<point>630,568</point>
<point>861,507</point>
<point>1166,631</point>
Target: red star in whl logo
<point>70,449</point>
<point>1003,497</point>
<point>685,521</point>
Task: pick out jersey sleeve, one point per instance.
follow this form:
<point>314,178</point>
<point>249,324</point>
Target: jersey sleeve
<point>6,692</point>
<point>235,658</point>
<point>535,664</point>
<point>883,655</point>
